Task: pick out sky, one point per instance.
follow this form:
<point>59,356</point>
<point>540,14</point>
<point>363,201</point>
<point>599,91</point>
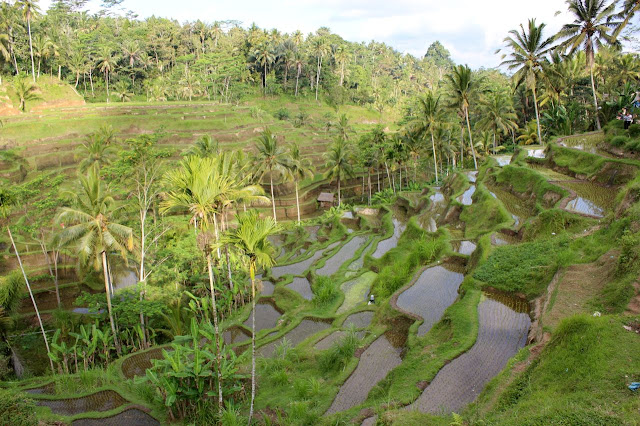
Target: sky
<point>471,30</point>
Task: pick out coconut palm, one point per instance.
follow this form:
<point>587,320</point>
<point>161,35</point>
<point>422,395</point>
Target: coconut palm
<point>343,128</point>
<point>429,117</point>
<point>528,57</point>
<point>5,53</point>
<point>89,228</point>
<point>463,88</point>
<point>29,8</point>
<point>106,64</point>
<point>298,169</point>
<point>25,91</point>
<point>206,146</point>
<point>338,163</point>
<point>629,10</point>
<point>320,49</point>
<point>250,238</point>
<point>265,57</point>
<point>271,158</point>
<point>591,28</point>
<point>498,116</point>
<point>95,150</point>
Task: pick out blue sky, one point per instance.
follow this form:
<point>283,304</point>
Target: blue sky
<point>471,29</point>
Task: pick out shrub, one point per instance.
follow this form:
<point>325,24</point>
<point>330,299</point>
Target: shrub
<point>619,140</point>
<point>634,130</point>
<point>325,291</point>
<point>16,410</point>
<point>283,114</point>
<point>338,356</point>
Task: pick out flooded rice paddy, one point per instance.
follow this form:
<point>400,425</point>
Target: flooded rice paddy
<point>464,247</point>
<point>550,174</point>
<point>356,291</point>
<point>359,320</point>
<point>518,208</point>
<point>306,328</point>
<point>385,245</point>
<point>267,316</point>
<point>592,199</point>
<point>345,253</point>
<point>465,198</point>
<point>266,288</point>
<point>235,334</point>
<point>502,332</point>
<point>300,267</point>
<point>503,159</point>
<point>132,416</point>
<point>334,337</point>
<point>100,401</point>
<point>433,292</point>
<point>302,286</point>
<point>375,363</point>
<point>137,365</point>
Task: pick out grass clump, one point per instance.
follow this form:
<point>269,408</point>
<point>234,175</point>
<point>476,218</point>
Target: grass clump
<point>16,409</point>
<point>528,181</point>
<point>485,213</point>
<point>325,291</point>
<point>553,222</point>
<point>525,268</point>
<point>337,357</point>
<point>586,366</point>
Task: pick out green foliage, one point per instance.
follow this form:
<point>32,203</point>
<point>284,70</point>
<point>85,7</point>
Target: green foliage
<point>16,410</point>
<point>524,268</point>
<point>339,354</point>
<point>283,114</point>
<point>325,291</point>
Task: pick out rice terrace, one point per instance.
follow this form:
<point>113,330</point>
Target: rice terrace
<point>218,213</point>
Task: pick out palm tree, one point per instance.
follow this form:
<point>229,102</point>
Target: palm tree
<point>338,163</point>
<point>298,169</point>
<point>195,186</point>
<point>498,116</point>
<point>206,146</point>
<point>592,28</point>
<point>25,91</point>
<point>341,57</point>
<point>528,51</point>
<point>5,54</point>
<point>430,116</point>
<point>88,226</point>
<point>251,239</point>
<point>43,47</point>
<point>107,64</point>
<point>320,48</point>
<point>298,62</point>
<point>343,128</point>
<point>95,150</point>
<point>30,8</point>
<point>265,57</point>
<point>271,158</point>
<point>464,87</point>
<point>629,10</point>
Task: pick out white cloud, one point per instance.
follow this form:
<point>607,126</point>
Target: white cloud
<point>471,29</point>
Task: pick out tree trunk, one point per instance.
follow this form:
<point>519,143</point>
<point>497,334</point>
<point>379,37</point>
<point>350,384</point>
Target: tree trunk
<point>273,200</point>
<point>369,182</point>
<point>595,98</point>
<point>339,200</point>
<point>33,67</point>
<point>107,78</point>
<point>473,150</point>
<point>318,75</point>
<point>33,300</point>
<point>141,277</point>
<point>342,74</point>
<point>535,104</point>
<point>46,256</point>
<point>297,79</point>
<point>252,275</point>
<point>107,288</point>
<point>217,332</point>
<point>462,145</point>
<point>435,164</point>
<point>297,202</point>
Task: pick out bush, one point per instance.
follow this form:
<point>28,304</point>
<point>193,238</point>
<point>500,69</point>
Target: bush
<point>325,291</point>
<point>619,140</point>
<point>16,410</point>
<point>634,130</point>
<point>283,114</point>
<point>338,356</point>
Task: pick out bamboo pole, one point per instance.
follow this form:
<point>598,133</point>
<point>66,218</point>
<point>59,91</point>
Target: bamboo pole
<point>35,306</point>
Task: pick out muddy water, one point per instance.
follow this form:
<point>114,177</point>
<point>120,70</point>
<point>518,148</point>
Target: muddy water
<point>132,416</point>
<point>357,264</point>
<point>464,247</point>
<point>267,316</point>
<point>305,329</point>
<point>465,198</point>
<point>503,331</point>
<point>235,334</point>
<point>137,365</point>
<point>359,320</point>
<point>345,253</point>
<point>125,279</point>
<point>428,219</point>
<point>518,209</point>
<point>46,300</point>
<point>592,199</point>
<point>302,286</point>
<point>100,401</point>
<point>433,292</point>
<point>48,389</point>
<point>503,160</point>
<point>300,267</point>
<point>500,239</point>
<point>375,363</point>
<point>267,288</point>
<point>386,245</point>
<point>334,337</point>
<point>313,232</point>
<point>535,153</point>
<point>472,176</point>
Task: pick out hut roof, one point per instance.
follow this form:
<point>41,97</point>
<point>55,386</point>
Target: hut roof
<point>325,197</point>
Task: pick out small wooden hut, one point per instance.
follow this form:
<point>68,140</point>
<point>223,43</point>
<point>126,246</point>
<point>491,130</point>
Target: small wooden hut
<point>326,200</point>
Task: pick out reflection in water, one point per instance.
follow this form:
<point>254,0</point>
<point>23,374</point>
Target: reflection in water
<point>300,267</point>
<point>305,329</point>
<point>503,160</point>
<point>592,199</point>
<point>386,245</point>
<point>465,198</point>
<point>345,253</point>
<point>302,286</point>
<point>266,316</point>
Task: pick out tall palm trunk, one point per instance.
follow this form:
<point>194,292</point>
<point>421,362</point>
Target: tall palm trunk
<point>107,288</point>
<point>535,104</point>
<point>273,200</point>
<point>473,150</point>
<point>298,78</point>
<point>462,145</point>
<point>33,66</point>
<point>369,183</point>
<point>435,164</point>
<point>252,275</point>
<point>595,98</point>
<point>33,300</point>
<point>297,202</point>
<point>217,332</point>
<point>339,198</point>
<point>318,75</point>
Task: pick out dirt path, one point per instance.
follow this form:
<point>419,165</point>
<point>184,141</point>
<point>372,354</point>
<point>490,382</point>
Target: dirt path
<point>578,285</point>
<point>634,305</point>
